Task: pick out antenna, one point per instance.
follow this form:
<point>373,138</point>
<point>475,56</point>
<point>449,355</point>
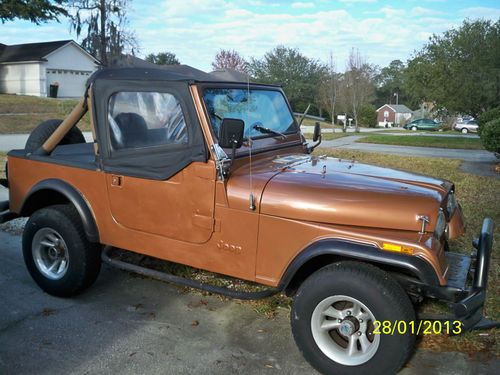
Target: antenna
<point>251,199</point>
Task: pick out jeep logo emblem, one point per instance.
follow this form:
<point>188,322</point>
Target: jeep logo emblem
<point>229,247</point>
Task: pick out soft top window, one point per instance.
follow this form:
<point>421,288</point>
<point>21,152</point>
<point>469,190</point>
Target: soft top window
<point>145,119</point>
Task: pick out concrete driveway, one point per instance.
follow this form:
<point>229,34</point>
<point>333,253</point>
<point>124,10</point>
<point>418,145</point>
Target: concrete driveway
<point>17,141</point>
<point>127,324</point>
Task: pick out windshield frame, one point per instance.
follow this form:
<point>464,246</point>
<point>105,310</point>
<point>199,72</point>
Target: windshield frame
<point>252,86</point>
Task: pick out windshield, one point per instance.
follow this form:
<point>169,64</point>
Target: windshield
<point>256,107</point>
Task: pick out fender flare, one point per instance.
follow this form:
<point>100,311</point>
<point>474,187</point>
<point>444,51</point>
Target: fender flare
<point>416,266</point>
<point>73,196</point>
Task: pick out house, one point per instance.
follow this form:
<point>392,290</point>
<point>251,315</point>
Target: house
<point>393,114</point>
<point>29,69</point>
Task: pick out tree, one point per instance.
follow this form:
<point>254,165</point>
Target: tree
<point>230,59</point>
<point>298,74</point>
<point>104,26</point>
<point>459,70</point>
<point>163,58</point>
<point>36,11</point>
<point>329,88</point>
<point>358,84</point>
<point>391,81</point>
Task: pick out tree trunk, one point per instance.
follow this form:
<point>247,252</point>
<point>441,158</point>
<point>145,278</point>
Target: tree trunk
<point>103,55</point>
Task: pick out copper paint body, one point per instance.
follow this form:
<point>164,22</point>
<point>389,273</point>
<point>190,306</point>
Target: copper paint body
<point>198,220</point>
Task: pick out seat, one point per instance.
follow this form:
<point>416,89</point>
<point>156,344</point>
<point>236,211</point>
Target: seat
<point>133,131</point>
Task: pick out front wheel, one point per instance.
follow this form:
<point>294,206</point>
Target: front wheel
<point>414,128</point>
<point>57,253</point>
<point>335,315</point>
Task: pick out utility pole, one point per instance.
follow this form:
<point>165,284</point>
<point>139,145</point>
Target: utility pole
<point>397,98</point>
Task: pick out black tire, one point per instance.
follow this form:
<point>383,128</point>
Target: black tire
<point>378,292</point>
<point>43,131</point>
<point>84,257</point>
<point>414,128</point>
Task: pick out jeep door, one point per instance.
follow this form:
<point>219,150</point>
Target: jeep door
<point>158,178</point>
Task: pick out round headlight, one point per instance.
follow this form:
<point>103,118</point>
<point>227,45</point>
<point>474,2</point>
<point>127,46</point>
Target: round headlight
<point>451,204</point>
<point>440,225</point>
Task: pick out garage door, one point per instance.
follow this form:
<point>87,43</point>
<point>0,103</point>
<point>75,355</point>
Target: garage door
<point>71,82</point>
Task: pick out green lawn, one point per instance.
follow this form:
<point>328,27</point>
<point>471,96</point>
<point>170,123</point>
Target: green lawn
<point>424,141</point>
<point>311,122</point>
<point>20,114</point>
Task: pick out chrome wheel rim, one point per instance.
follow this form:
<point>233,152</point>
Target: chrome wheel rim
<point>50,253</point>
<point>342,327</point>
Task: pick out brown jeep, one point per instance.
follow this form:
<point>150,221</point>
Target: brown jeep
<point>196,169</point>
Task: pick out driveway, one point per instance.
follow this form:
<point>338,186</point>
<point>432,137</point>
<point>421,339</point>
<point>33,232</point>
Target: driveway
<point>127,324</point>
<point>16,141</point>
<point>477,162</point>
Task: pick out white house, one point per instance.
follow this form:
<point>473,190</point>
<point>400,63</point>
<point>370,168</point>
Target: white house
<point>29,69</point>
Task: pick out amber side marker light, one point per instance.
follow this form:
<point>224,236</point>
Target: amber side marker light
<point>397,248</point>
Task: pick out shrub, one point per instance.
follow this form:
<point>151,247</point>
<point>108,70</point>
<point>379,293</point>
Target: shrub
<point>490,135</point>
<point>492,114</point>
<point>368,116</point>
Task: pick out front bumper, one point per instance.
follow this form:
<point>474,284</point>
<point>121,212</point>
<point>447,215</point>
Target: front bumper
<point>465,292</point>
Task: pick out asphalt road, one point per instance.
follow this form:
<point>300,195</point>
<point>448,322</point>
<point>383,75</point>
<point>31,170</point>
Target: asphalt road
<point>350,143</point>
<point>127,324</point>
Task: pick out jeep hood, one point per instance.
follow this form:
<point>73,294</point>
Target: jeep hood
<point>344,192</point>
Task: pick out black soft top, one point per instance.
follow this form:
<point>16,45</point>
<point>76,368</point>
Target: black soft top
<point>179,73</point>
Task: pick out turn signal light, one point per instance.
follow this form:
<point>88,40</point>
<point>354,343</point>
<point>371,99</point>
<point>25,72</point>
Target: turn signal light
<point>398,248</point>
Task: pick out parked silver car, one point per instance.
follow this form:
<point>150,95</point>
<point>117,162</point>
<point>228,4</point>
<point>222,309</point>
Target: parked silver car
<point>466,126</point>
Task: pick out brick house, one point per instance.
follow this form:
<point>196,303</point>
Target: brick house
<point>393,115</point>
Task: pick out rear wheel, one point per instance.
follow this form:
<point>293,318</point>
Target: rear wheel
<point>57,253</point>
<point>464,131</point>
<point>334,316</point>
<point>43,131</point>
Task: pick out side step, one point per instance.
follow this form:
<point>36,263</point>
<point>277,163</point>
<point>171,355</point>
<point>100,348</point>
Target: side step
<point>459,269</point>
<point>163,276</point>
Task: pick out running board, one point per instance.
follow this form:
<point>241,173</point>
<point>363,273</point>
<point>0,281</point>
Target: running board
<point>168,277</point>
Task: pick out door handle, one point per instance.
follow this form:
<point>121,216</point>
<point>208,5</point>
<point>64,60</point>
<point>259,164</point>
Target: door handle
<point>116,180</point>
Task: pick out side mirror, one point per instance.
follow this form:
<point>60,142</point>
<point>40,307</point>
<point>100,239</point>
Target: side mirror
<point>316,137</point>
<point>231,133</point>
<point>317,132</point>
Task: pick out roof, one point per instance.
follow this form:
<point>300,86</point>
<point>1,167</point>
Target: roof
<point>33,51</point>
<point>162,73</point>
<point>398,108</point>
<point>131,61</point>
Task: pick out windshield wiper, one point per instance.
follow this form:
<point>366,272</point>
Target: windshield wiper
<point>258,126</point>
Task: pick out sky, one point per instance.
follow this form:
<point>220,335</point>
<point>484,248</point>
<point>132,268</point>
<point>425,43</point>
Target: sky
<point>196,29</point>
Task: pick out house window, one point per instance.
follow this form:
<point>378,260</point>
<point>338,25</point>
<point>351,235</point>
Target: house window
<point>145,119</point>
<point>386,114</point>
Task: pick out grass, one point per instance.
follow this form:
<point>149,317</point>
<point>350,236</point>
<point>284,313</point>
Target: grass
<point>21,114</point>
<point>323,124</point>
<point>424,141</point>
<point>332,136</point>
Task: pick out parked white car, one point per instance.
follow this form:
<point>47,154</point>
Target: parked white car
<point>466,126</point>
